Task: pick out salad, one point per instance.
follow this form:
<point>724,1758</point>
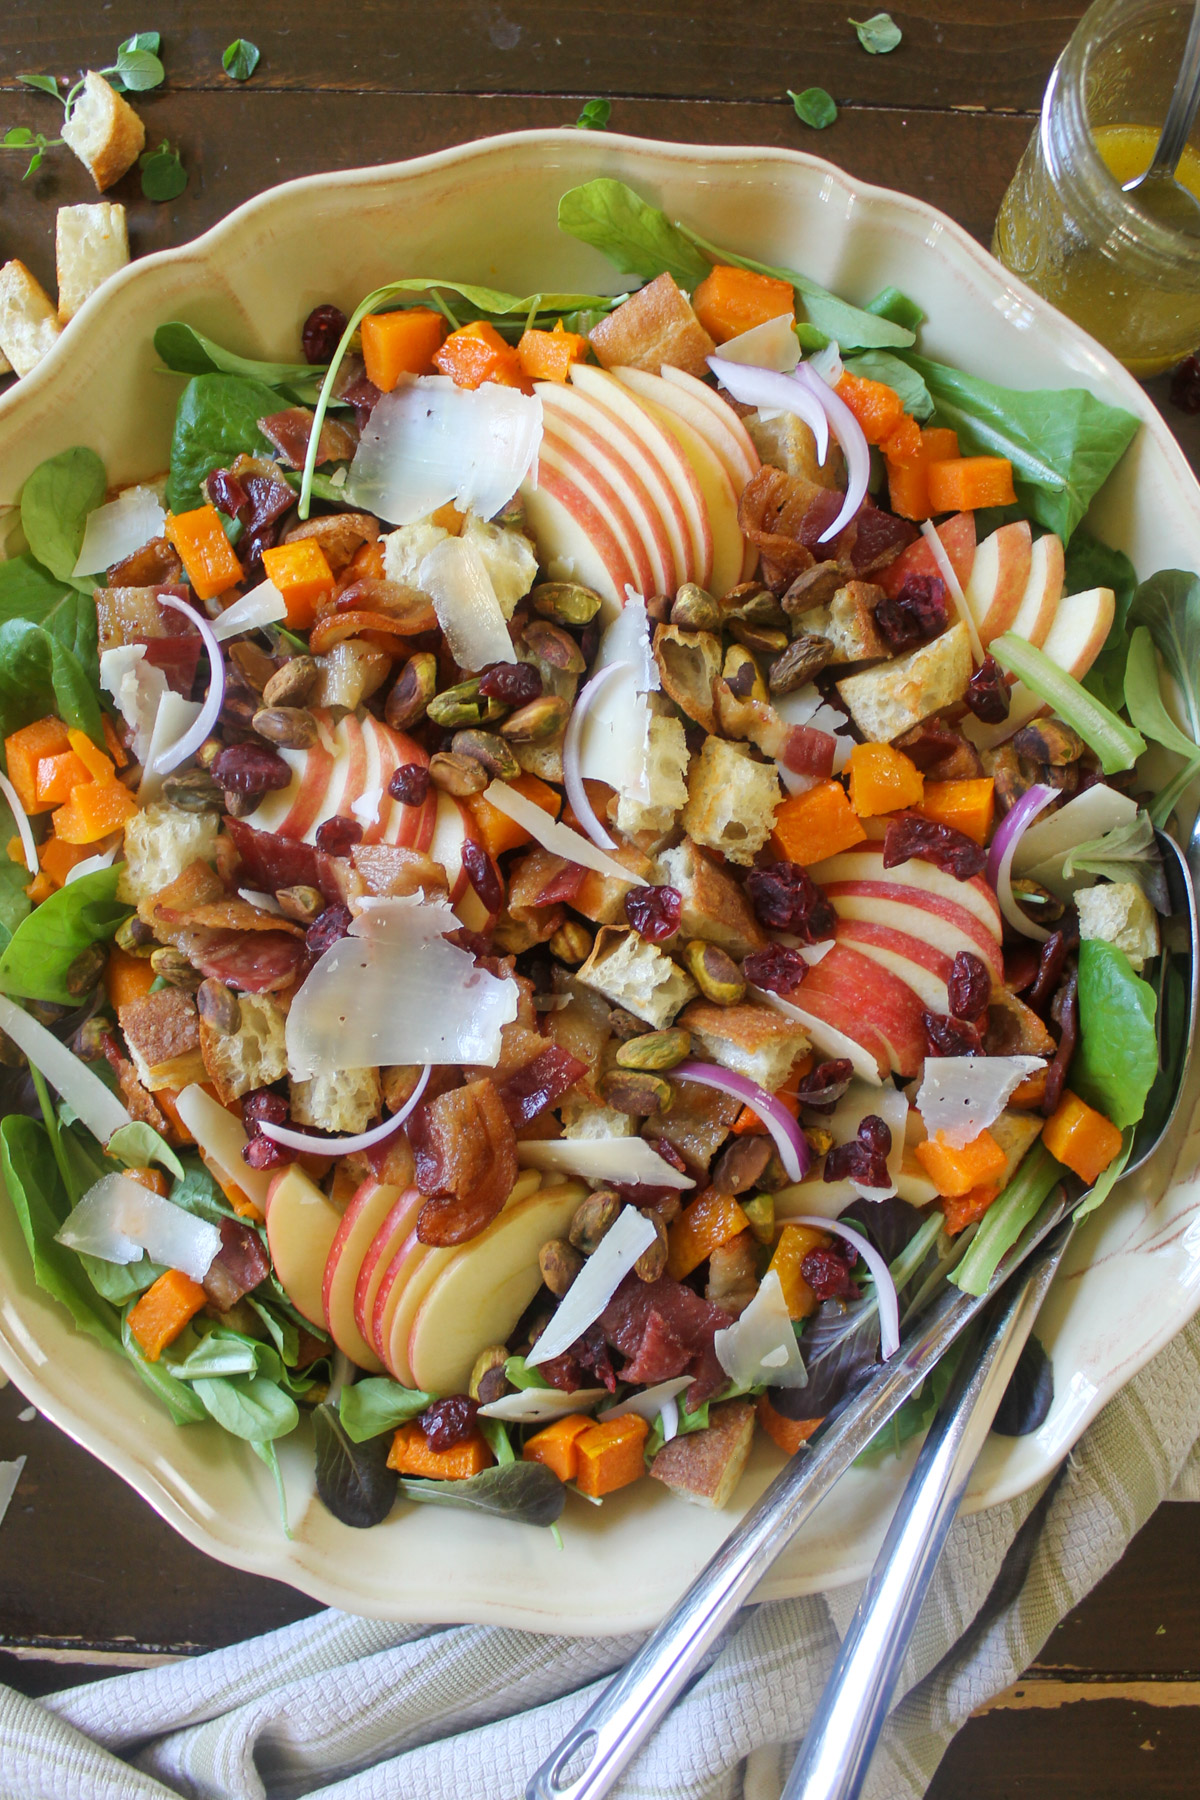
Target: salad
<point>571,862</point>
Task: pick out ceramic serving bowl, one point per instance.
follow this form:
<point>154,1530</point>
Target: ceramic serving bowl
<point>486,212</point>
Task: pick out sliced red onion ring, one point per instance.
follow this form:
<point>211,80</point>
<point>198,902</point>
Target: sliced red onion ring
<point>363,1140</point>
<point>849,434</point>
<point>205,721</point>
<point>1009,833</point>
<point>953,587</point>
<point>767,387</point>
<point>827,363</point>
<point>581,806</point>
<point>22,819</point>
<point>885,1287</point>
<point>790,1141</point>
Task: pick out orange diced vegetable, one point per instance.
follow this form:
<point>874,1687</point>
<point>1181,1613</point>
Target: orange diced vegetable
<point>499,832</point>
<point>301,572</point>
<point>548,355</point>
<point>40,888</point>
<point>166,1098</point>
<point>789,1434</point>
<point>126,978</point>
<point>956,1171</point>
<point>795,1242</point>
<point>903,444</point>
<point>749,1121</point>
<point>908,469</point>
<point>877,407</point>
<point>809,827</point>
<point>58,859</point>
<point>24,750</point>
<point>961,1210</point>
<point>205,551</point>
<point>477,353</point>
<point>965,483</point>
<point>710,1220</point>
<point>1030,1093</point>
<point>883,780</point>
<point>400,343</point>
<point>729,301</point>
<point>966,806</point>
<point>114,745</point>
<point>365,565</point>
<point>1080,1137</point>
<point>555,1446</point>
<point>609,1455</point>
<point>163,1311</point>
<point>98,766</point>
<point>152,1179</point>
<point>58,775</point>
<point>94,809</point>
<point>410,1455</point>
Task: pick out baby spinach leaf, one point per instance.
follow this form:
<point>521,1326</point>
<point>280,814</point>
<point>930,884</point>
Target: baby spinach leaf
<point>1089,563</point>
<point>284,1333</point>
<point>1168,605</point>
<point>39,1199</point>
<point>198,1193</point>
<point>240,59</point>
<point>878,34</point>
<point>267,1453</point>
<point>121,1282</point>
<point>1029,1395</point>
<point>39,675</point>
<point>138,1145</point>
<point>217,418</point>
<point>688,1422</point>
<point>1144,701</point>
<point>55,503</point>
<point>188,352</point>
<point>1117,1058</point>
<point>376,1404</point>
<point>249,1406</point>
<point>1126,853</point>
<point>27,591</point>
<point>528,1493</point>
<point>176,1396</point>
<point>814,107</point>
<point>219,1352</point>
<point>35,963</point>
<point>877,365</point>
<point>636,237</point>
<point>353,1479</point>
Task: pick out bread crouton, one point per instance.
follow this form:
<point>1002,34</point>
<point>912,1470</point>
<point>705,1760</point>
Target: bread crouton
<point>789,443</point>
<point>104,131</point>
<point>654,326</point>
<point>1118,912</point>
<point>582,1119</point>
<point>891,699</point>
<point>1014,1029</point>
<point>715,906</point>
<point>252,1056</point>
<point>29,324</point>
<point>689,664</point>
<point>731,800</point>
<point>704,1467</point>
<point>406,549</point>
<point>668,761</point>
<point>848,621</point>
<point>163,1034</point>
<point>601,898</point>
<point>1015,1132</point>
<point>91,243</point>
<point>507,555</point>
<point>346,1101</point>
<point>636,975</point>
<point>160,843</point>
<point>750,1039</point>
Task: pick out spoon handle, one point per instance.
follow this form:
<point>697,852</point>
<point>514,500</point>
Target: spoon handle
<point>1185,97</point>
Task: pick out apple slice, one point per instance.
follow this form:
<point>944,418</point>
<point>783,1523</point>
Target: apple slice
<point>394,1231</point>
<point>940,933</point>
<point>1043,590</point>
<point>716,485</point>
<point>401,1292</point>
<point>302,1223</point>
<point>921,967</point>
<point>721,440</point>
<point>1074,641</point>
<point>920,884</point>
<point>409,827</point>
<point>958,537</point>
<point>721,410</point>
<point>595,464</point>
<point>827,1039</point>
<point>290,811</point>
<point>574,543</point>
<point>455,824</point>
<point>999,578</point>
<point>476,1299</point>
<point>869,1004</point>
<point>369,1206</point>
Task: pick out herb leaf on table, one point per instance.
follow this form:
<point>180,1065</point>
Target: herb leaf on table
<point>240,59</point>
<point>163,174</point>
<point>594,116</point>
<point>814,107</point>
<point>879,34</point>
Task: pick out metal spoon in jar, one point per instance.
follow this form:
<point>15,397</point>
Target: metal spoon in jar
<point>1157,191</point>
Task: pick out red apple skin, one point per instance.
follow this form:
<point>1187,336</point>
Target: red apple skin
<point>314,783</point>
<point>999,578</point>
<point>958,538</point>
<point>402,1265</point>
<point>395,1231</point>
<point>960,929</point>
<point>369,1205</point>
<point>409,827</point>
<point>667,502</point>
<point>869,1004</point>
<point>590,522</point>
<point>561,440</point>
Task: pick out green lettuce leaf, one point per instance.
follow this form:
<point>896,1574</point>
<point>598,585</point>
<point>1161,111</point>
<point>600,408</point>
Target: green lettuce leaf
<point>38,957</point>
<point>1116,1062</point>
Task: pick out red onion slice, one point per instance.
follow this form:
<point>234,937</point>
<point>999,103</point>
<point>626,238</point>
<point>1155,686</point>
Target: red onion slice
<point>953,587</point>
<point>855,448</point>
<point>203,725</point>
<point>22,821</point>
<point>363,1140</point>
<point>767,387</point>
<point>885,1287</point>
<point>1009,833</point>
<point>790,1141</point>
<point>581,806</point>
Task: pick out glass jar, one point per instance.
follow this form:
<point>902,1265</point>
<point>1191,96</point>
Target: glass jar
<point>1067,227</point>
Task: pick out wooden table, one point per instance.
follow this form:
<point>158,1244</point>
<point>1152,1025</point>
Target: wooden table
<point>90,1580</point>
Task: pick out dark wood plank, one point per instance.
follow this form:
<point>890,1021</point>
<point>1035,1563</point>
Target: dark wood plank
<point>1144,1617</point>
<point>1106,1748</point>
<point>955,52</point>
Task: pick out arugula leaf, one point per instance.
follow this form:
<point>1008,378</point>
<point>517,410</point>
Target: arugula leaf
<point>636,237</point>
<point>240,59</point>
<point>1062,443</point>
<point>688,1422</point>
<point>527,1493</point>
<point>188,352</point>
<point>814,107</point>
<point>1117,1058</point>
<point>376,1405</point>
<point>891,304</point>
<point>176,1396</point>
<point>163,174</point>
<point>595,116</point>
<point>285,1335</point>
<point>878,365</point>
<point>1144,701</point>
<point>137,1145</point>
<point>1168,605</point>
<point>1126,853</point>
<point>219,1351</point>
<point>916,1415</point>
<point>249,1406</point>
<point>353,1479</point>
<point>55,502</point>
<point>35,963</point>
<point>217,417</point>
<point>27,591</point>
<point>878,34</point>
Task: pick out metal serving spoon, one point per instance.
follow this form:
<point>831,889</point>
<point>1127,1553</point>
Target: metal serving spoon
<point>1157,191</point>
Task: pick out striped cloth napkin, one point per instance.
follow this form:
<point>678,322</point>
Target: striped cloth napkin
<point>355,1709</point>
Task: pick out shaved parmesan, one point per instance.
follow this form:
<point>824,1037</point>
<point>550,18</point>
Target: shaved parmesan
<point>772,345</point>
<point>174,717</point>
<point>221,1140</point>
<point>859,1102</point>
<point>615,744</point>
<point>263,605</point>
<point>761,1345</point>
<point>1039,853</point>
<point>429,442</point>
<point>800,706</point>
<point>366,807</point>
<point>961,1096</point>
<point>117,1219</point>
<point>595,1284</point>
<point>91,865</point>
<point>137,687</point>
<point>652,1402</point>
<point>395,991</point>
<point>555,837</point>
<point>115,530</point>
<point>454,576</point>
<point>85,1093</point>
<point>264,902</point>
<point>533,1405</point>
<point>602,1159</point>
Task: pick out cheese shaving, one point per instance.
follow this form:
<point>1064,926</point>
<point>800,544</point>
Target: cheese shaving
<point>761,1345</point>
<point>263,605</point>
<point>96,1105</point>
<point>961,1096</point>
<point>455,577</point>
<point>221,1140</point>
<point>555,837</point>
<point>602,1159</point>
<point>174,717</point>
<point>531,1406</point>
<point>886,1103</point>
<point>115,530</point>
<point>117,1219</point>
<point>615,744</point>
<point>595,1284</point>
<point>137,687</point>
<point>429,441</point>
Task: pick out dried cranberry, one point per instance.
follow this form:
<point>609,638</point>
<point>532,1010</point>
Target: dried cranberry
<point>864,1158</point>
<point>475,943</point>
<point>987,694</point>
<point>876,538</point>
<point>1050,967</point>
<point>327,928</point>
<point>363,396</point>
<point>592,1354</point>
<point>828,1275</point>
<point>969,987</point>
<point>250,769</point>
<point>263,1107</point>
<point>1065,1012</point>
<point>338,836</point>
<point>1185,385</point>
<point>322,333</point>
<point>410,784</point>
<point>226,493</point>
<point>264,1153</point>
<point>916,614</point>
<point>950,1037</point>
<point>786,898</point>
<point>777,969</point>
<point>516,684</point>
<point>654,912</point>
<point>448,1422</point>
<point>948,850</point>
<point>483,875</point>
<point>824,1085</point>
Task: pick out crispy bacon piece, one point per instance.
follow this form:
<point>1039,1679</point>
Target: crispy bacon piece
<point>541,1083</point>
<point>230,915</point>
<point>177,657</point>
<point>335,627</point>
<point>665,1330</point>
<point>151,566</point>
<point>239,1265</point>
<point>785,516</point>
<point>466,1161</point>
<point>270,862</point>
<point>289,432</point>
<point>259,962</point>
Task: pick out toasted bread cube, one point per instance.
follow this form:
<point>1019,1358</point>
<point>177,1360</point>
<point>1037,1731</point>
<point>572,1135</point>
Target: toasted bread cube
<point>704,1467</point>
<point>789,444</point>
<point>28,320</point>
<point>750,1039</point>
<point>601,898</point>
<point>1015,1132</point>
<point>715,906</point>
<point>1118,912</point>
<point>91,243</point>
<point>346,1101</point>
<point>581,1118</point>
<point>731,800</point>
<point>162,1031</point>
<point>891,699</point>
<point>162,841</point>
<point>104,131</point>
<point>253,1056</point>
<point>654,326</point>
<point>639,976</point>
<point>848,621</point>
<point>668,761</point>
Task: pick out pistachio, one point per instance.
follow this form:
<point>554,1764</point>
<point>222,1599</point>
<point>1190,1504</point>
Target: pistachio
<point>820,1141</point>
<point>655,1050</point>
<point>462,705</point>
<point>812,588</point>
<point>542,718</point>
<point>173,967</point>
<point>208,752</point>
<point>414,688</point>
<point>88,1043</point>
<point>488,1364</point>
<point>134,937</point>
<point>1049,741</point>
<point>565,602</point>
<point>805,657</point>
<point>301,903</point>
<point>760,1211</point>
<point>593,1217</point>
<point>1041,905</point>
<point>291,727</point>
<point>458,775</point>
<point>86,970</point>
<point>292,684</point>
<point>753,604</point>
<point>559,1263</point>
<point>668,1206</point>
<point>741,1164</point>
<point>1011,781</point>
<point>695,609</point>
<point>195,791</point>
<point>624,1025</point>
<point>488,749</point>
<point>219,1007</point>
<point>572,942</point>
<point>239,805</point>
<point>653,1260</point>
<point>767,640</point>
<point>715,973</point>
<point>253,665</point>
<point>551,644</point>
<point>636,1091</point>
<point>743,674</point>
<point>658,608</point>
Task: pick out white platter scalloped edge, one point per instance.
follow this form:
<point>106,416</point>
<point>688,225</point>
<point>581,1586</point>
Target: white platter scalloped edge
<point>486,212</point>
